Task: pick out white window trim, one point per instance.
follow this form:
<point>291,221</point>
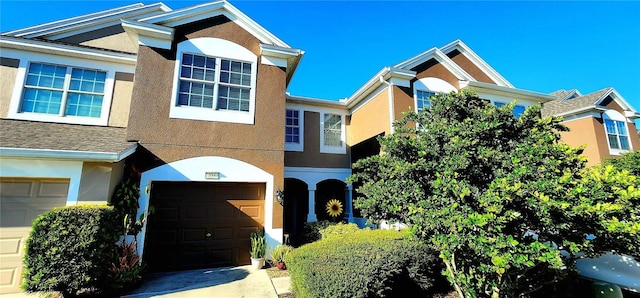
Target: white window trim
<point>300,145</point>
<point>333,149</point>
<point>28,57</point>
<point>415,97</point>
<point>221,49</point>
<point>616,116</point>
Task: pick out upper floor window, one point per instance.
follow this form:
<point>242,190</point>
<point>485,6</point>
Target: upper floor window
<point>293,130</point>
<point>423,100</point>
<point>617,132</point>
<point>332,136</point>
<point>204,78</point>
<point>216,81</point>
<point>63,91</point>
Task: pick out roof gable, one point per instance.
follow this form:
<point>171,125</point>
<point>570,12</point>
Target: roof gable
<point>436,54</point>
<point>200,12</point>
<point>476,60</point>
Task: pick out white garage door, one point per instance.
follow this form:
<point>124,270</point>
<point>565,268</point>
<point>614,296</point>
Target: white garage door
<point>22,200</point>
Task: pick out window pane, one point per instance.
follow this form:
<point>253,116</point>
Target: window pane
<point>498,104</point>
<point>622,129</point>
<point>41,101</point>
<point>233,98</point>
<point>613,142</point>
<point>611,128</point>
<point>422,99</point>
<point>624,143</point>
<point>198,67</point>
<point>332,130</point>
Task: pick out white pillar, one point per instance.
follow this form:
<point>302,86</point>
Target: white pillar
<point>311,216</point>
<point>348,198</point>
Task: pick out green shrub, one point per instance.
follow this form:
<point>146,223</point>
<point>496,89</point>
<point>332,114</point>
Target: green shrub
<point>280,252</point>
<point>338,229</point>
<point>311,231</point>
<point>71,249</point>
<point>365,263</point>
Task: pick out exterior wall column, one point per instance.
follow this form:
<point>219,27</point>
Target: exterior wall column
<point>348,198</point>
<point>311,216</point>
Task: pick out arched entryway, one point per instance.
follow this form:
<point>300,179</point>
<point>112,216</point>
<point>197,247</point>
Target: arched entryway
<point>296,208</point>
<point>327,190</point>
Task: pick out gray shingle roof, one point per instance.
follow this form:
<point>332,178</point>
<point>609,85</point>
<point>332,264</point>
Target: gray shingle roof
<point>558,107</point>
<point>21,134</point>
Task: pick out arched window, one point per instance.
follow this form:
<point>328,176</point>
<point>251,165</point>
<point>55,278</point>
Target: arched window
<point>424,88</point>
<point>214,80</point>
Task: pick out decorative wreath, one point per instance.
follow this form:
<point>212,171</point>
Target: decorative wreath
<point>334,208</point>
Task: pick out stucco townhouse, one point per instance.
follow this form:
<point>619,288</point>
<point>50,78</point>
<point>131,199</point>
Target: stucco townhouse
<point>194,102</point>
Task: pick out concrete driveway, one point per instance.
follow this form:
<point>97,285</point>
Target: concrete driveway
<point>232,282</point>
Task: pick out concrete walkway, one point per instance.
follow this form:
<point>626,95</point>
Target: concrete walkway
<point>231,282</point>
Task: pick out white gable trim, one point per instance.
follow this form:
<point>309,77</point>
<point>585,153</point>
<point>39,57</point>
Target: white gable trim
<point>507,92</point>
<point>618,99</point>
<point>149,34</point>
<point>479,62</point>
<point>85,23</point>
<point>213,9</point>
<point>435,53</point>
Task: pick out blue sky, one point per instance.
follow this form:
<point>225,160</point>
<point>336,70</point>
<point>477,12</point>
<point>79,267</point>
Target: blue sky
<point>538,46</point>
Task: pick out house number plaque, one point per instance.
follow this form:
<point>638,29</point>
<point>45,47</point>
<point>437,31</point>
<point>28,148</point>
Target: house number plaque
<point>211,175</point>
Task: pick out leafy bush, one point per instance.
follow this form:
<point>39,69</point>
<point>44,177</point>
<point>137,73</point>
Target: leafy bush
<point>126,270</point>
<point>364,263</point>
<point>279,253</point>
<point>311,230</point>
<point>338,229</point>
<point>71,248</point>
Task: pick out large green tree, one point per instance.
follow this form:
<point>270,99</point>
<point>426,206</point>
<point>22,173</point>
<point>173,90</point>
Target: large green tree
<point>502,200</point>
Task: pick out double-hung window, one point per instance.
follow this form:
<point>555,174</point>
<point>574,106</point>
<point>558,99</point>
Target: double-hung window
<point>332,133</point>
<point>292,127</point>
<point>294,131</point>
<point>63,91</point>
<point>214,83</point>
<point>214,80</point>
<point>423,100</point>
<point>617,134</point>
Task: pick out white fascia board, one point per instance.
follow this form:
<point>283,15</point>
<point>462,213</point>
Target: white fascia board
<point>147,11</point>
<point>66,22</point>
<point>149,34</point>
<point>578,116</point>
<point>584,110</point>
<point>301,101</point>
<point>438,55</point>
<point>280,56</point>
<point>66,50</point>
<point>213,9</point>
<point>618,99</point>
<point>68,154</point>
<point>571,92</point>
<point>479,62</point>
<point>482,87</point>
<point>394,74</point>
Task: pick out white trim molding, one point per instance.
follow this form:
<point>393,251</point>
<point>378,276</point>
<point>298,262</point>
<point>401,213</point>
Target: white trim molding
<point>299,147</point>
<point>477,61</point>
<point>342,149</point>
<point>194,169</point>
<point>67,154</point>
<point>313,176</point>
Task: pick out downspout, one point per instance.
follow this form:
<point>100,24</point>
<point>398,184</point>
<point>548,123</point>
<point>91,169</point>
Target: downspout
<point>391,107</point>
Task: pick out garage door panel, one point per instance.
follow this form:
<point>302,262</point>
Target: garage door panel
<point>22,200</point>
<point>227,212</point>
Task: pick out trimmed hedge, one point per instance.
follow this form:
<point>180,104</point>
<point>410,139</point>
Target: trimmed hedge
<point>71,249</point>
<point>311,231</point>
<point>338,229</point>
<point>365,263</point>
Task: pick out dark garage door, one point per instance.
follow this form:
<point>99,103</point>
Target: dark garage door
<point>202,225</point>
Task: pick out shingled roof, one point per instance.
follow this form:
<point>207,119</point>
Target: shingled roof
<point>558,106</point>
<point>19,134</point>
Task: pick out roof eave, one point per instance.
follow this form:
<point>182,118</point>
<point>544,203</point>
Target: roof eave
<point>526,94</point>
<point>315,101</point>
<point>68,154</point>
<point>66,50</point>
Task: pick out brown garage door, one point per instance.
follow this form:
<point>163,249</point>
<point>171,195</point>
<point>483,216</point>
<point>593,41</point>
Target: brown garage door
<point>22,200</point>
<point>201,225</point>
